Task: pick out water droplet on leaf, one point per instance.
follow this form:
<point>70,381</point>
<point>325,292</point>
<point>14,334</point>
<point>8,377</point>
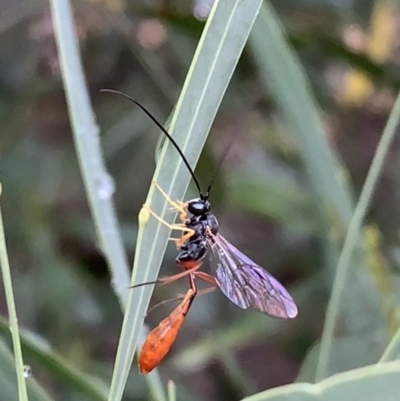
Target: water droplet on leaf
<point>27,371</point>
<point>106,187</point>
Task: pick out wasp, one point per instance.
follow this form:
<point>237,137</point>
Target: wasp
<point>240,279</point>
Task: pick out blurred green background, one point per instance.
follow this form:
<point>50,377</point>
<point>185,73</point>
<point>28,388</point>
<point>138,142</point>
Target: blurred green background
<point>262,198</point>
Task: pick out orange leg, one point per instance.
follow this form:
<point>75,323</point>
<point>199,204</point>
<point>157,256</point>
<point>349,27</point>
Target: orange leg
<point>179,206</point>
<point>180,227</point>
<point>180,241</point>
<point>170,279</point>
<point>179,297</point>
<point>206,278</point>
<point>193,270</point>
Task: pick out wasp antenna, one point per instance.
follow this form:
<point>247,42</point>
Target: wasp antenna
<point>218,168</point>
<point>143,284</point>
<point>163,130</point>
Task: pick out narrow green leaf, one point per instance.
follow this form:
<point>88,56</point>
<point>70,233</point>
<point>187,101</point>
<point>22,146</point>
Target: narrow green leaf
<point>8,385</point>
<point>371,383</point>
<point>218,52</point>
<point>353,235</point>
<point>290,88</point>
<point>346,353</point>
<point>12,312</point>
<point>171,391</point>
<point>392,351</point>
<point>43,357</point>
<point>99,184</point>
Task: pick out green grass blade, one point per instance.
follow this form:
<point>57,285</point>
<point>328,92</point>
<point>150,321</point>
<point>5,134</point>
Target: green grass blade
<point>41,355</point>
<point>171,386</point>
<point>98,183</point>
<point>12,312</point>
<point>370,383</point>
<point>289,86</point>
<point>220,47</point>
<point>392,351</point>
<point>353,235</point>
<point>290,89</point>
<point>8,386</point>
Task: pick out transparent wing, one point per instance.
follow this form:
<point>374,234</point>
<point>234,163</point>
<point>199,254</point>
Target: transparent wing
<point>246,284</point>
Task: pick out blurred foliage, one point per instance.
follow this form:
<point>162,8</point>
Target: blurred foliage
<point>262,196</point>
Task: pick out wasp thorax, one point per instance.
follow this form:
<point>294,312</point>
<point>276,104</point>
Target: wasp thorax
<point>198,206</point>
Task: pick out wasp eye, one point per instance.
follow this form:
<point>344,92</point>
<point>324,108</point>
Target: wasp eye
<point>198,207</point>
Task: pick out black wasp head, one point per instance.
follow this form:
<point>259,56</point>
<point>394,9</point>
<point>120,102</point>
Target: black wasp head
<point>198,206</point>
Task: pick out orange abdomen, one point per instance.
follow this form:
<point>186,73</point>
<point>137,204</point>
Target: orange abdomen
<point>160,340</point>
